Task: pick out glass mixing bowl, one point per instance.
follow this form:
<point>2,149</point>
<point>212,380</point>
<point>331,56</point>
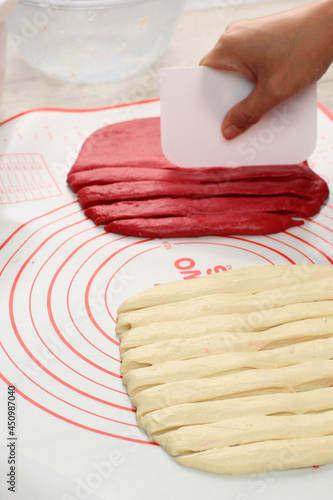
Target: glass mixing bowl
<point>92,41</point>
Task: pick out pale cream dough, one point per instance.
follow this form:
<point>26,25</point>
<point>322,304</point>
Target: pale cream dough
<point>226,363</point>
<point>264,456</point>
<point>216,343</point>
<point>243,280</point>
<point>195,327</point>
<point>302,377</point>
<point>237,364</point>
<point>172,417</point>
<point>244,430</point>
<point>208,305</point>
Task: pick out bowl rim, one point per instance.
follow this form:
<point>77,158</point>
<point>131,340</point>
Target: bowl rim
<point>83,4</point>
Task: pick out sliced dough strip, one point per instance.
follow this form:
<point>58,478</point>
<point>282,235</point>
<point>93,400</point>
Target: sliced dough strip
<point>217,343</point>
<point>226,363</point>
<point>254,321</point>
<point>296,378</point>
<point>227,303</point>
<point>180,207</point>
<point>252,458</point>
<point>206,412</point>
<point>245,223</point>
<point>116,173</point>
<point>252,279</point>
<point>244,430</point>
<point>143,190</point>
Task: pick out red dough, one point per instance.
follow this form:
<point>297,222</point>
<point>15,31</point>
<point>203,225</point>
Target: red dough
<point>97,195</point>
<point>204,225</point>
<point>110,175</point>
<point>180,207</point>
<point>122,178</point>
<point>135,143</point>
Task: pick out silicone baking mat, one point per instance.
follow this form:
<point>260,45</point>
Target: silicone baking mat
<point>62,279</point>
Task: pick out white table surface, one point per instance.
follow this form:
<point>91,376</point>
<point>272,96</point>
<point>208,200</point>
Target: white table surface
<point>196,33</point>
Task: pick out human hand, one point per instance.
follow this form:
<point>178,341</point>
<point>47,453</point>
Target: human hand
<point>282,53</point>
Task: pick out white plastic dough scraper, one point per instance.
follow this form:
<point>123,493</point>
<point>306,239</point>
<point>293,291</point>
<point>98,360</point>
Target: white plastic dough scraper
<point>194,101</point>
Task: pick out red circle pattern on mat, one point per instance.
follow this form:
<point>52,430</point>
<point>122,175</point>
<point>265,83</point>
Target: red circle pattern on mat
<point>65,279</point>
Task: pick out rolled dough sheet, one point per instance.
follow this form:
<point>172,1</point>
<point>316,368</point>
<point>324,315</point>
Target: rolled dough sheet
<point>232,372</point>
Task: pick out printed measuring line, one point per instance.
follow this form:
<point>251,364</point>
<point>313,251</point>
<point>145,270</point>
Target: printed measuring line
<point>12,439</point>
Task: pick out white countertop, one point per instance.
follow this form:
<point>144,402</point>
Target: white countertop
<point>195,35</point>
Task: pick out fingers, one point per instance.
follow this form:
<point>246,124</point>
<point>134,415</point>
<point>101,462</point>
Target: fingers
<point>247,112</point>
<point>215,61</point>
<point>205,61</point>
<point>258,54</point>
<point>220,56</point>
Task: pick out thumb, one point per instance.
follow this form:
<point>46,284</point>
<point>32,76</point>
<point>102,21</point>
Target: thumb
<point>247,112</point>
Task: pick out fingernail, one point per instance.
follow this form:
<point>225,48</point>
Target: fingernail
<point>232,131</point>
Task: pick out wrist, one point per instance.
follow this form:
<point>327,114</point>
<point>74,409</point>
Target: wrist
<point>318,17</point>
